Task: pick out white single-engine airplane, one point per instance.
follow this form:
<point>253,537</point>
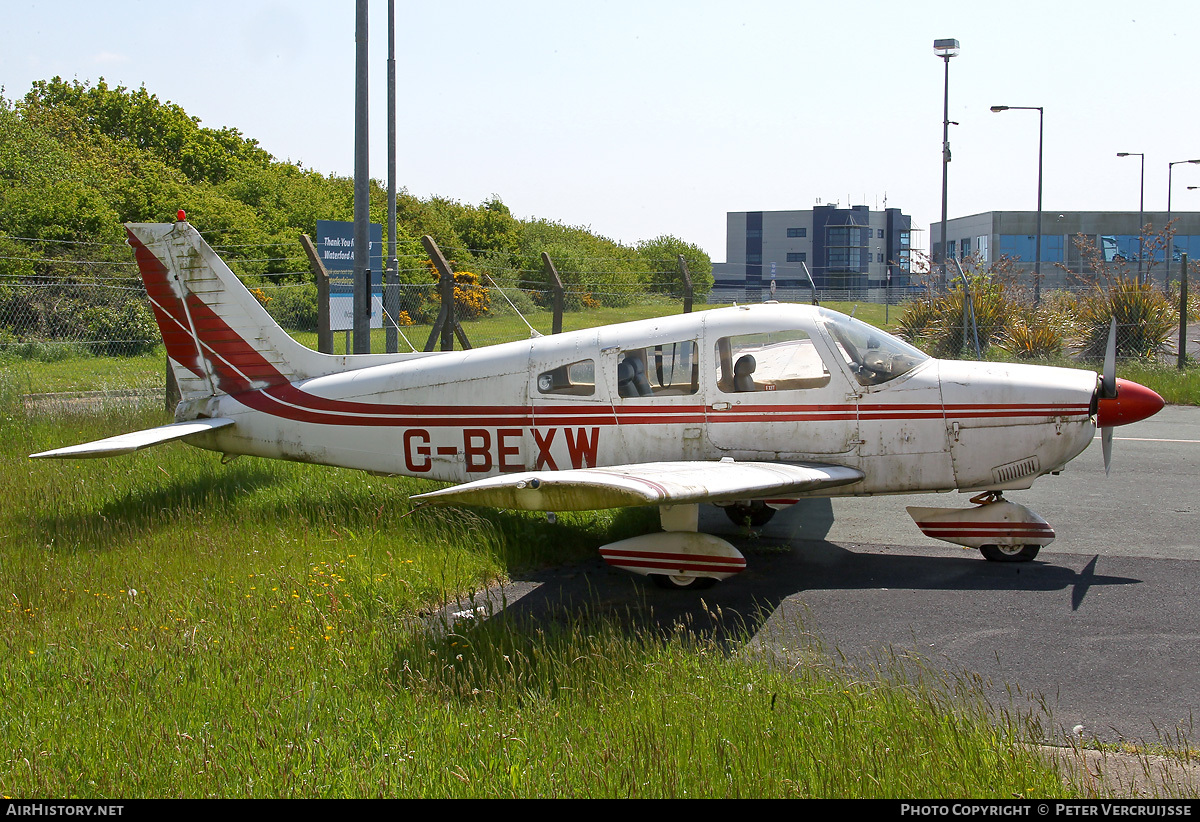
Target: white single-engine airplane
<point>749,407</point>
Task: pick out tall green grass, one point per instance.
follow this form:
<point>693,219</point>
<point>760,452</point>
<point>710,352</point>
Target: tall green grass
<point>72,368</point>
<point>175,627</point>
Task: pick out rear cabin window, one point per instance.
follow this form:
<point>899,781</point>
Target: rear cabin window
<point>774,361</point>
<point>576,379</point>
<point>669,369</point>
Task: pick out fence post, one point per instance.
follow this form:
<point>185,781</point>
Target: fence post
<point>324,334</point>
<point>688,293</point>
<point>391,306</point>
<point>1183,306</point>
<point>171,391</point>
<point>446,324</point>
<point>556,288</point>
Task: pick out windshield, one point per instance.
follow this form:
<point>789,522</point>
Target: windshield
<point>874,356</point>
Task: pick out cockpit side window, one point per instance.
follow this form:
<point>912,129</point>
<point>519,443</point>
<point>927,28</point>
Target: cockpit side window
<point>770,361</point>
<point>576,379</point>
<point>664,369</point>
<point>874,356</point>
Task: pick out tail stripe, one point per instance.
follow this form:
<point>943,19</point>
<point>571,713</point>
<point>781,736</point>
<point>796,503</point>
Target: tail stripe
<point>168,308</point>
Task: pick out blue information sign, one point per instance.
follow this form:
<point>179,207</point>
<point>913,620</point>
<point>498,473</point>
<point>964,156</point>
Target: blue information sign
<point>335,244</point>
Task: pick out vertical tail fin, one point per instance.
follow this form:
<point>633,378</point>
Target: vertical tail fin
<point>218,337</point>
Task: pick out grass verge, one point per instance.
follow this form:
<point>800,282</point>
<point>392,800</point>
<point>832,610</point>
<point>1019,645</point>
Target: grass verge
<point>172,627</point>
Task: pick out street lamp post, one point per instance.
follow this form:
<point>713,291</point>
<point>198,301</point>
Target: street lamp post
<point>1037,263</point>
<point>1141,211</point>
<point>945,49</point>
<point>1171,231</point>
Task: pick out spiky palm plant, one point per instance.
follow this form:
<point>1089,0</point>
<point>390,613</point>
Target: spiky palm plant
<point>1145,320</point>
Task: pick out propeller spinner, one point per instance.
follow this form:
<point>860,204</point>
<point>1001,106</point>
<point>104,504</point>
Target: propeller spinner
<point>1120,402</point>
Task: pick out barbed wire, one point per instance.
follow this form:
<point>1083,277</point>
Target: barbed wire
<point>60,261</point>
<point>375,259</point>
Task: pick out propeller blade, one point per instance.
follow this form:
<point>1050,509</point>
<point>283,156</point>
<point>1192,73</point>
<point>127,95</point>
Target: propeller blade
<point>1106,438</point>
<point>1109,380</point>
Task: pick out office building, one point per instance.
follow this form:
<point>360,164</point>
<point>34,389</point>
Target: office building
<point>847,251</point>
<point>1066,236</point>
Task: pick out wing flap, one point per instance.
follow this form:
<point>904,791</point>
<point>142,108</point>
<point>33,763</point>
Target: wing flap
<point>654,483</point>
<point>134,441</point>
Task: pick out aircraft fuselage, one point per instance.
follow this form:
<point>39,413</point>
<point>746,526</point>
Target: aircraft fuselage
<point>569,401</point>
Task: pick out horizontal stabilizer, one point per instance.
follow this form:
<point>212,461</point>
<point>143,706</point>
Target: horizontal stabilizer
<point>135,441</point>
<point>652,483</point>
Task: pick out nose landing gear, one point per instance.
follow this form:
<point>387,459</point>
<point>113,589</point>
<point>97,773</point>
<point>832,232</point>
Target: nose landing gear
<point>1003,531</point>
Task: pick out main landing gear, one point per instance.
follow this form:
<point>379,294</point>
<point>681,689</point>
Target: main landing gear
<point>754,514</point>
<point>678,556</point>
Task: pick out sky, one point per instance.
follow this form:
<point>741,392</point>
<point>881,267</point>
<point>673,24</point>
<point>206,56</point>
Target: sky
<point>651,117</point>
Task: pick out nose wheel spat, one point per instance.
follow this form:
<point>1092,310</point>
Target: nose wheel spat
<point>1003,531</point>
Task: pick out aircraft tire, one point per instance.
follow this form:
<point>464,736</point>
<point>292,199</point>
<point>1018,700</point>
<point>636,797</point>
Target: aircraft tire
<point>682,583</point>
<point>754,513</point>
<point>1009,553</point>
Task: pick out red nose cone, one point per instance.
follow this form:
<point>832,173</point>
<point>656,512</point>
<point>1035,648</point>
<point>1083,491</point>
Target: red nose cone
<point>1133,403</point>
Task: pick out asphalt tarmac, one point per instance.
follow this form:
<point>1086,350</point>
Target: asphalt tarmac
<point>1100,634</point>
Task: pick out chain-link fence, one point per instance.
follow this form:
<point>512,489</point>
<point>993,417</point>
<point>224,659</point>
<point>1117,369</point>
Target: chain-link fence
<point>62,300</point>
<point>86,300</point>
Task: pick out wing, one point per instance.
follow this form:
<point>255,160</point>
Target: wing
<point>135,441</point>
<point>651,483</point>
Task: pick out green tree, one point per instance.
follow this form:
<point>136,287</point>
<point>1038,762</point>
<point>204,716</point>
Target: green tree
<point>661,255</point>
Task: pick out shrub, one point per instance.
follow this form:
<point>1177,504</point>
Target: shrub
<point>40,350</point>
<point>917,318</point>
<point>471,299</point>
<point>122,329</point>
<point>519,298</point>
<point>1036,337</point>
<point>1145,320</point>
<point>938,319</point>
<point>294,307</point>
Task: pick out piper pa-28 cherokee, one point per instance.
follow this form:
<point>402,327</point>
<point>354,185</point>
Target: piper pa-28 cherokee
<point>749,408</point>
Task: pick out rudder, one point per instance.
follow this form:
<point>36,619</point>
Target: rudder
<point>218,337</point>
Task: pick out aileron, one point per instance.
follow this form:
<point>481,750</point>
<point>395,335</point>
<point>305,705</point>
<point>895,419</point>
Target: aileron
<point>656,483</point>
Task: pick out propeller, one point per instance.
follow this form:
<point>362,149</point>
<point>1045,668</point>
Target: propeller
<point>1120,402</point>
<point>1108,390</point>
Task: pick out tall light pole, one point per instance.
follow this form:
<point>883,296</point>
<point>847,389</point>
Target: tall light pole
<point>1037,263</point>
<point>1141,211</point>
<point>1170,231</point>
<point>362,181</point>
<point>945,49</point>
<point>391,285</point>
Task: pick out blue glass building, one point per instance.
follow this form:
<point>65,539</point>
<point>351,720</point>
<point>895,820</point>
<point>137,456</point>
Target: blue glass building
<point>1073,242</point>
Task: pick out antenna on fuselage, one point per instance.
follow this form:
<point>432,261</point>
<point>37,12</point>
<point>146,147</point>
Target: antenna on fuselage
<point>811,284</point>
<point>533,332</point>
